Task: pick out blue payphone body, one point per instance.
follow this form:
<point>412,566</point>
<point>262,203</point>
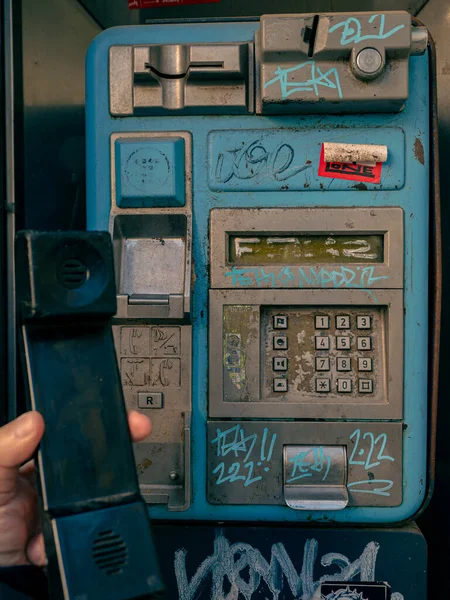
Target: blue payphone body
<point>266,185</point>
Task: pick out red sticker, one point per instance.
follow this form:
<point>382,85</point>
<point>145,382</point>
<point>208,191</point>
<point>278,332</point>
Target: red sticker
<point>163,3</point>
<point>350,171</point>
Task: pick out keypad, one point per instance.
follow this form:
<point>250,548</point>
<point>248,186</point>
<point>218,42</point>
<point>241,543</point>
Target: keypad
<point>343,364</point>
<point>342,357</point>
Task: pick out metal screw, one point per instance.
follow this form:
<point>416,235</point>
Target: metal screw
<point>369,62</point>
<point>173,475</point>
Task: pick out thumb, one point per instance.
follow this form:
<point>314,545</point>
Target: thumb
<point>18,440</point>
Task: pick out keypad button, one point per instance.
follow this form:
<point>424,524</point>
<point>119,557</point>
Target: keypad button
<point>342,322</point>
<point>343,364</point>
<point>363,322</point>
<point>323,385</point>
<point>322,364</point>
<point>280,385</point>
<point>364,364</point>
<point>280,322</point>
<point>150,399</point>
<point>344,386</point>
<point>280,342</point>
<point>365,386</point>
<point>364,343</point>
<point>280,363</point>
<point>343,342</point>
<point>322,322</point>
<point>322,342</point>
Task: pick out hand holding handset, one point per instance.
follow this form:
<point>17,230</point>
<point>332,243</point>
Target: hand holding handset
<point>96,526</point>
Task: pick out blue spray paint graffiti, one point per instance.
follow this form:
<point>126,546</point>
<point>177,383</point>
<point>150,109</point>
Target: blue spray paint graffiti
<point>376,448</point>
<point>253,455</point>
<point>303,465</point>
<point>352,30</point>
<point>305,277</point>
<point>313,78</point>
<point>235,441</point>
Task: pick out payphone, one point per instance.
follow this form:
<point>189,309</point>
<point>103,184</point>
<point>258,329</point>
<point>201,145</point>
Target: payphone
<point>266,184</point>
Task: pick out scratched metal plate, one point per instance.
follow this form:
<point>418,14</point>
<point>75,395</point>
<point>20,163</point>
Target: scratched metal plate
<point>156,359</point>
<point>265,160</point>
<point>245,460</point>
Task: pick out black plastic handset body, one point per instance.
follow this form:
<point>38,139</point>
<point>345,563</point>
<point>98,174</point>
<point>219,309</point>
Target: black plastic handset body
<point>96,526</point>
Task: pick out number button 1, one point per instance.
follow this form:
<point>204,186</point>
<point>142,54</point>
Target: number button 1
<point>322,322</point>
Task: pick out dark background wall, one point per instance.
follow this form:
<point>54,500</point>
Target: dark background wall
<point>52,39</point>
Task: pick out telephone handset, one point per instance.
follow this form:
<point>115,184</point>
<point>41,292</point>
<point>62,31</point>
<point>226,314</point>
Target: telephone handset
<point>96,526</point>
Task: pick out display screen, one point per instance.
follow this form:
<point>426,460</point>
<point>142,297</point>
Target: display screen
<point>305,248</point>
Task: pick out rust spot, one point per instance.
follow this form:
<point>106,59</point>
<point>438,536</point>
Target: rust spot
<point>306,185</point>
<point>418,151</point>
<point>446,68</point>
<point>362,187</point>
<point>144,465</point>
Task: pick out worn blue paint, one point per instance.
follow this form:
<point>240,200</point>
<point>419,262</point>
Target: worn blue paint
<point>413,197</point>
<point>143,164</point>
